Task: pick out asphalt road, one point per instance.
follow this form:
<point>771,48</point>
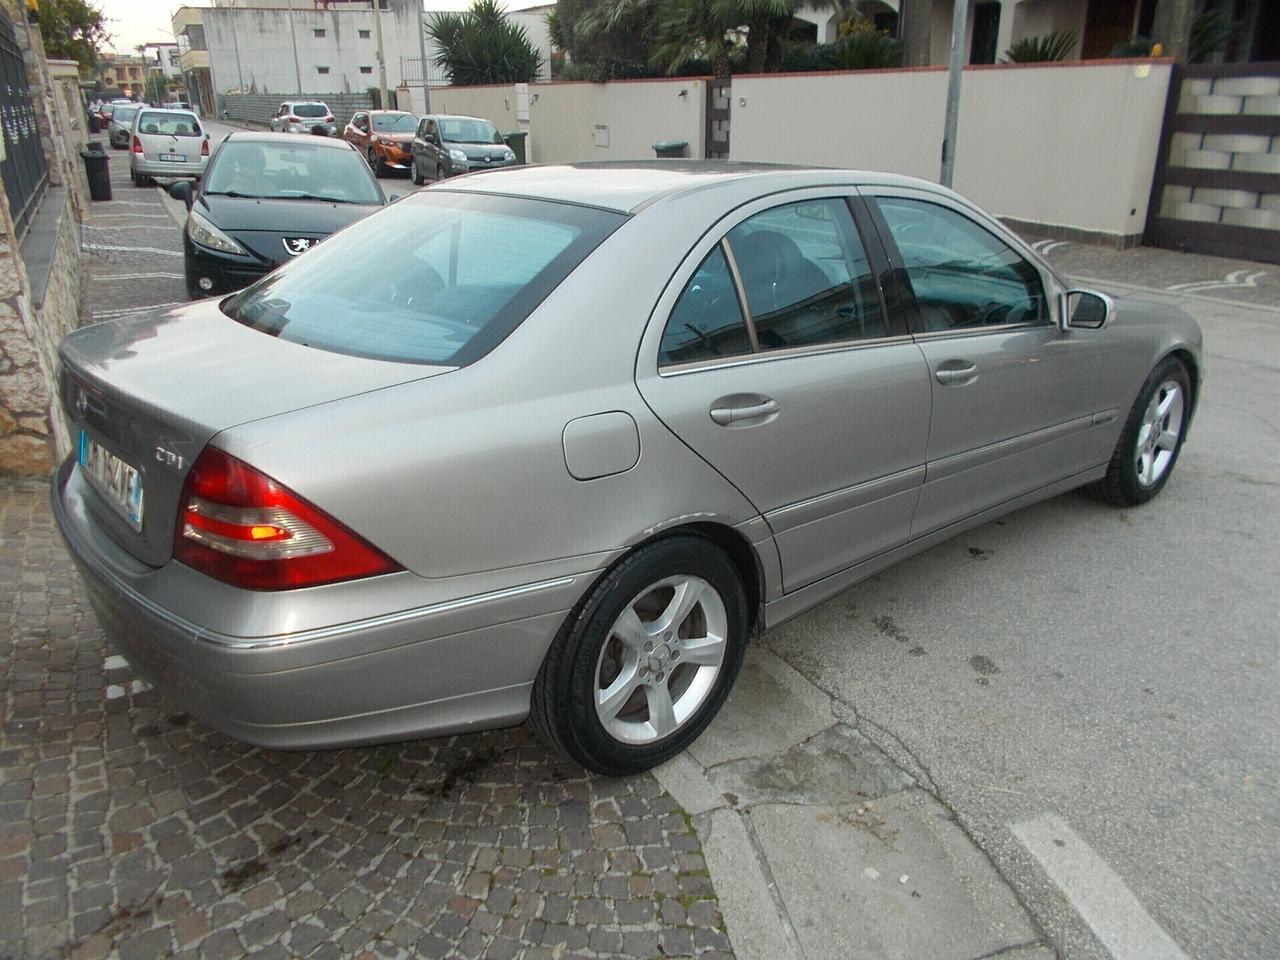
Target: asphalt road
<point>1117,668</point>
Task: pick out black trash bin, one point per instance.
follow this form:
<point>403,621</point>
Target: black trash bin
<point>515,140</point>
<point>669,149</point>
<point>95,123</point>
<point>96,165</point>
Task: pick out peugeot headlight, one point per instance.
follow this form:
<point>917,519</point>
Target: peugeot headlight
<point>204,233</point>
<point>509,155</point>
<point>458,156</point>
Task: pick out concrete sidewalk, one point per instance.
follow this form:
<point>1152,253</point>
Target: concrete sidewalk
<point>822,846</point>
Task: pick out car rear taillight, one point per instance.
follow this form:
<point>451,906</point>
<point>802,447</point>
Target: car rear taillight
<point>238,525</point>
<point>329,118</point>
<point>292,119</point>
<point>204,147</point>
<point>137,145</point>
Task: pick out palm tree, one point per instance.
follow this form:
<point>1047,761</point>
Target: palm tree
<point>691,29</point>
<point>481,45</point>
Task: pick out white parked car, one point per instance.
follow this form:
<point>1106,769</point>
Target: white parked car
<point>303,116</point>
<point>167,143</point>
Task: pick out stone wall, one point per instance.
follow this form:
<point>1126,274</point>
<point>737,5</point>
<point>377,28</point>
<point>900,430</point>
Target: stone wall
<point>32,433</point>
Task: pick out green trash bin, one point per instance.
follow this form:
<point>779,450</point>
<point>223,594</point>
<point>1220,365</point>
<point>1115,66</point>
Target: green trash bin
<point>515,140</point>
<point>669,149</point>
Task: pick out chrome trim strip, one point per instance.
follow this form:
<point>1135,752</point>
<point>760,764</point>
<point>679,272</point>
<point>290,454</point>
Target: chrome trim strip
<point>740,291</point>
<point>338,630</point>
<point>981,331</point>
<point>837,501</point>
<point>697,366</point>
<point>960,462</point>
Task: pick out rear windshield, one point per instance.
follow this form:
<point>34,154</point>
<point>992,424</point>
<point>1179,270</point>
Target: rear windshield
<point>174,124</point>
<point>124,114</point>
<point>395,123</point>
<point>310,110</point>
<point>438,278</point>
<point>291,168</point>
<point>462,130</point>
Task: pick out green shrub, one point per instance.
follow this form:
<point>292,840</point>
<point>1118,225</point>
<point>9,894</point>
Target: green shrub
<point>1049,48</point>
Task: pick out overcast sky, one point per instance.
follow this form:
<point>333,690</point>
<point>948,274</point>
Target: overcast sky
<point>132,22</point>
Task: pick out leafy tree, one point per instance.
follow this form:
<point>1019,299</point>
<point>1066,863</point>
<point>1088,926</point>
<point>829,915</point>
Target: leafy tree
<point>481,45</point>
<point>73,30</point>
<point>605,39</point>
<point>1049,48</point>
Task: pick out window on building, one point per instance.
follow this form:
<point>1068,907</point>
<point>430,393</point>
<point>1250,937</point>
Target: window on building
<point>366,69</point>
<point>319,32</point>
<point>364,34</point>
<point>322,69</point>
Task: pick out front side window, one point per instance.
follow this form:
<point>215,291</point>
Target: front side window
<point>439,278</point>
<point>707,321</point>
<point>806,276</point>
<point>962,275</point>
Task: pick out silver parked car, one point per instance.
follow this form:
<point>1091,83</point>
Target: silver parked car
<point>305,116</point>
<point>120,128</point>
<point>554,442</point>
<point>167,143</point>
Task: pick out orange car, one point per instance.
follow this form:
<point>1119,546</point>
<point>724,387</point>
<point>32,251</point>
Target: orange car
<point>385,137</point>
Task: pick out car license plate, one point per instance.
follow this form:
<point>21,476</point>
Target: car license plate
<point>173,157</point>
<point>120,482</point>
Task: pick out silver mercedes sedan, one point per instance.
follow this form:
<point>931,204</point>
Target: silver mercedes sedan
<point>554,442</point>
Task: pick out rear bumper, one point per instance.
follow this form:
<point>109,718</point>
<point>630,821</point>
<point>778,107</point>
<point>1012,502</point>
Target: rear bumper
<point>393,677</point>
<point>160,168</point>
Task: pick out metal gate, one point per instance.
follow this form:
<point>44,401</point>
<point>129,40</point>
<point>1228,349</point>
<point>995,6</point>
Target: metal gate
<point>1217,182</point>
<point>717,137</point>
<point>24,170</point>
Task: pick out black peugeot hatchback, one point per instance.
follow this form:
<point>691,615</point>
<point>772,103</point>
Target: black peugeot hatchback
<point>265,199</point>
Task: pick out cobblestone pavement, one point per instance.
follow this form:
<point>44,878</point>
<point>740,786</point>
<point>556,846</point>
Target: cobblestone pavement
<point>129,829</point>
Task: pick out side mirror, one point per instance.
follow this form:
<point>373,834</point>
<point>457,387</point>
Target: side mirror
<point>1086,308</point>
<point>181,190</point>
<point>431,138</point>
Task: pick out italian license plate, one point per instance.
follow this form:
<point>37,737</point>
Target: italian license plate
<point>120,482</point>
<point>173,157</point>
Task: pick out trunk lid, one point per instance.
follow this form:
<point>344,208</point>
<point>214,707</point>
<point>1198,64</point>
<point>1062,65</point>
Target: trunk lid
<point>153,391</point>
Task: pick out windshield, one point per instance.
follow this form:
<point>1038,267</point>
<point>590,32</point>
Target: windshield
<point>294,170</point>
<point>174,124</point>
<point>463,130</point>
<point>395,122</point>
<point>124,114</point>
<point>310,110</point>
<point>438,278</point>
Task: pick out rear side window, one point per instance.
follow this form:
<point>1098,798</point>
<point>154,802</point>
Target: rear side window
<point>438,278</point>
<point>173,124</point>
<point>707,321</point>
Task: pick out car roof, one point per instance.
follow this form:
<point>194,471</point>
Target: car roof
<point>456,116</point>
<point>405,112</point>
<point>262,136</point>
<point>629,186</point>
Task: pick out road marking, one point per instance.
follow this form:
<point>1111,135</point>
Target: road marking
<point>129,216</point>
<point>115,662</point>
<point>135,203</point>
<point>156,250</point>
<point>1236,279</point>
<point>130,226</point>
<point>136,276</point>
<point>1101,897</point>
<point>1045,246</point>
<point>117,314</point>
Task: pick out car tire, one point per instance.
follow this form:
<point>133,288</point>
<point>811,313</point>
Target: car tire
<point>376,164</point>
<point>417,178</point>
<point>439,172</point>
<point>1151,440</point>
<point>654,667</point>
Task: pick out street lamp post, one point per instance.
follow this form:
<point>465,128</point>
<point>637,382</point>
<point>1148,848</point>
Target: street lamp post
<point>422,57</point>
<point>959,16</point>
<point>382,59</point>
<point>297,70</point>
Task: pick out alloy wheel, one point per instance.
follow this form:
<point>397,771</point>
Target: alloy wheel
<point>1159,433</point>
<point>661,658</point>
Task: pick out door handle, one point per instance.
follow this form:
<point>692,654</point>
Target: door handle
<point>956,374</point>
<point>727,415</point>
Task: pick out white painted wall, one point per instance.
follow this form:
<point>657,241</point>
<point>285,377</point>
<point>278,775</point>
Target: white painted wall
<point>576,122</point>
<point>266,51</point>
<point>1071,145</point>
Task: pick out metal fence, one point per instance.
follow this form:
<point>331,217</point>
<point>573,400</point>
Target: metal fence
<point>259,108</point>
<point>25,172</point>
